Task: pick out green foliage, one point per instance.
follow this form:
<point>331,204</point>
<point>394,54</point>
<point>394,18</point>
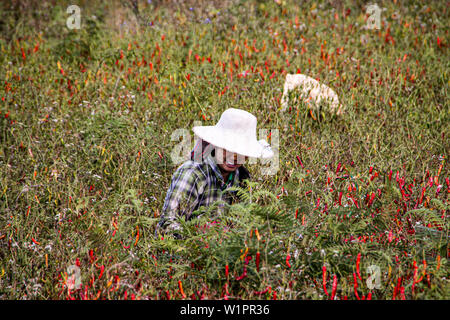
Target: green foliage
<point>86,118</point>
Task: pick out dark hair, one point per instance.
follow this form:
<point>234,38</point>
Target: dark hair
<point>198,155</point>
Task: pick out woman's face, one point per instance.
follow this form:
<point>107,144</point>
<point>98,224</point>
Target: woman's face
<point>229,161</point>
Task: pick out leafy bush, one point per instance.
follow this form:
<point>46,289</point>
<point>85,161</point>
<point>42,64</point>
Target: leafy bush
<point>359,203</point>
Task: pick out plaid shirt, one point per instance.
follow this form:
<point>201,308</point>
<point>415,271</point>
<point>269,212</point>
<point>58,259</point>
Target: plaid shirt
<point>194,185</point>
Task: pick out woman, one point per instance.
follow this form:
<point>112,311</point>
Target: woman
<point>216,164</point>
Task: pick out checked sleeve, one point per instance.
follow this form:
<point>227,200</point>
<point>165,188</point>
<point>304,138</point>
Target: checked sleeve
<point>182,198</point>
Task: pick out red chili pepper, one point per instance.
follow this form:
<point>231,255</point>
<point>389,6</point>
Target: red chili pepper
<point>414,276</point>
<point>424,271</point>
<point>102,269</point>
<point>422,194</point>
<point>355,285</point>
<point>85,293</point>
<point>358,259</point>
<point>226,271</point>
<point>397,288</point>
<point>180,286</point>
<point>324,279</point>
<point>268,289</point>
<point>334,287</point>
<point>338,167</point>
<point>300,162</point>
<point>225,288</point>
<point>355,202</point>
<point>287,260</point>
<point>430,181</point>
<point>137,236</point>
<point>438,189</point>
<point>390,175</point>
<point>402,293</point>
<point>244,273</point>
<point>257,261</point>
<point>340,198</point>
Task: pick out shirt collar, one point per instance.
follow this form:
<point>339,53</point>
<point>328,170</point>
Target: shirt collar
<point>212,163</point>
<point>210,160</point>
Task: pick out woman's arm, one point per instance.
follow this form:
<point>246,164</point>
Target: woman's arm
<point>181,199</point>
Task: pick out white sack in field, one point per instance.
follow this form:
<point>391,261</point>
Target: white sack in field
<point>312,91</point>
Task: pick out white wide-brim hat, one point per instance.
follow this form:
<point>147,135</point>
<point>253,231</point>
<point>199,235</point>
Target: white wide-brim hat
<point>236,132</point>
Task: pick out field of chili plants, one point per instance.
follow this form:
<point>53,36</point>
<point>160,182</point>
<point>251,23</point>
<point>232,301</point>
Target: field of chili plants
<point>357,209</point>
